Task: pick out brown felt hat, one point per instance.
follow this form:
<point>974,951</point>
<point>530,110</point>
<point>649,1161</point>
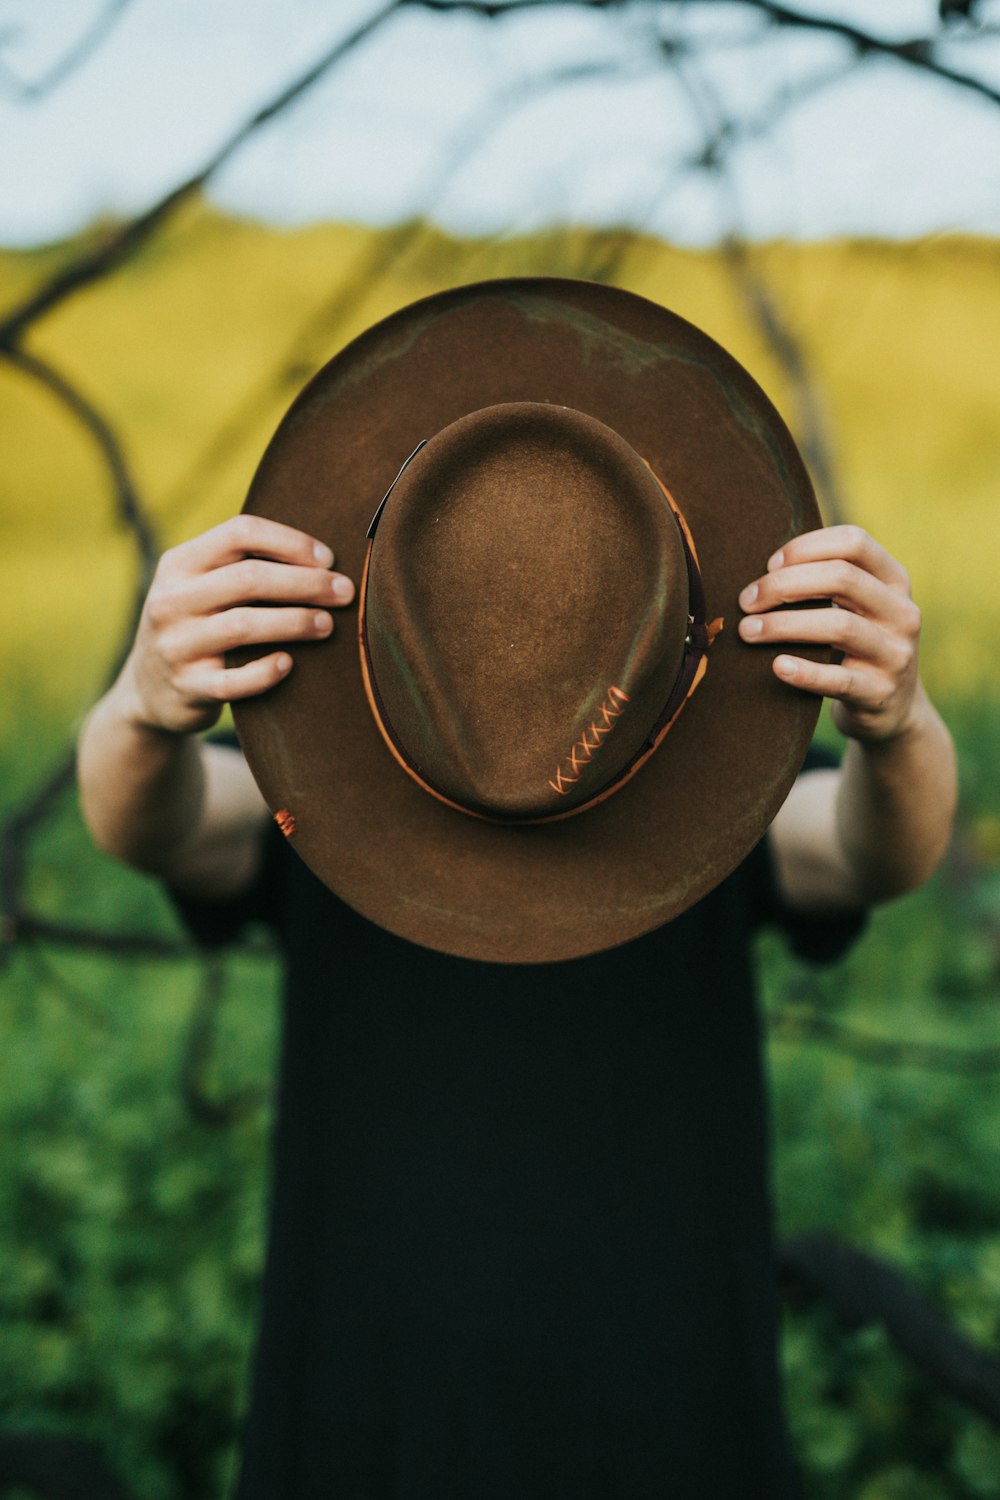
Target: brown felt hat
<point>541,736</point>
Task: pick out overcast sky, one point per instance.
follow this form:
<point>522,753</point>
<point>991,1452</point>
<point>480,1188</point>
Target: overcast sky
<point>411,124</point>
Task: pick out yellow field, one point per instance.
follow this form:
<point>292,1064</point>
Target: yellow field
<point>195,349</point>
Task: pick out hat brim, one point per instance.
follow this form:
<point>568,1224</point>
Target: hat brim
<point>423,870</point>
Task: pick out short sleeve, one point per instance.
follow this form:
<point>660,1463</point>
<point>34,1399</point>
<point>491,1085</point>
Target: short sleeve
<point>819,937</point>
<point>214,923</point>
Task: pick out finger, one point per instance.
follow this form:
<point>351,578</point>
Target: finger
<point>855,683</point>
<point>212,635</point>
<point>847,585</point>
<point>254,579</point>
<point>243,536</point>
<point>853,544</point>
<point>227,684</point>
<point>841,628</point>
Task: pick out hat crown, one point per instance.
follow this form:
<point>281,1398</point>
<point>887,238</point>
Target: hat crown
<point>526,609</point>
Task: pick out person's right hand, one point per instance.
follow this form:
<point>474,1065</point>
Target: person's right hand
<point>246,582</point>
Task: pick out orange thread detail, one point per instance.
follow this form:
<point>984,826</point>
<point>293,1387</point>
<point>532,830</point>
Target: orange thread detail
<point>591,747</point>
<point>583,751</point>
<point>285,821</point>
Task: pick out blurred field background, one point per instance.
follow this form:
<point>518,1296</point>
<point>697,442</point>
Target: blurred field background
<point>197,346</point>
<point>133,1091</point>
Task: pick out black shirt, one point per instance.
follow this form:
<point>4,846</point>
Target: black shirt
<point>520,1236</point>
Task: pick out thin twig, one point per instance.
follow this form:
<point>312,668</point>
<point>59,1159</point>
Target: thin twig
<point>792,1020</point>
<point>864,1290</point>
<point>73,59</point>
<point>198,1052</point>
<point>124,242</point>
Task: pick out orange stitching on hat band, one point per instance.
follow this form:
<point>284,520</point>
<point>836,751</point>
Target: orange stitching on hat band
<point>692,670</point>
<point>611,709</point>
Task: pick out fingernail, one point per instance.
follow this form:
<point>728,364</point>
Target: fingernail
<point>787,666</point>
<point>323,623</point>
<point>775,561</point>
<point>750,628</point>
<point>343,588</point>
<point>322,554</point>
<point>283,663</point>
<point>748,595</point>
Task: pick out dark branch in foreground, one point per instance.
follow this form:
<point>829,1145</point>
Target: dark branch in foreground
<point>81,51</point>
<point>790,1021</point>
<point>127,504</point>
<point>199,1050</point>
<point>918,52</point>
<point>19,826</point>
<point>864,1290</point>
<point>124,242</point>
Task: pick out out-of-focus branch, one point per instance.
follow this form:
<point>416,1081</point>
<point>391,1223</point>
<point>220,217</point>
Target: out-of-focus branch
<point>917,52</point>
<point>706,157</point>
<point>199,1049</point>
<point>799,1016</point>
<point>811,430</point>
<point>19,825</point>
<point>811,427</point>
<point>494,9</point>
<point>89,267</point>
<point>126,498</point>
<point>309,347</point>
<point>117,247</point>
<point>864,1290</point>
<point>77,55</point>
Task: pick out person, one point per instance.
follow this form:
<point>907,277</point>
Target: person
<point>158,796</point>
<point>520,1238</point>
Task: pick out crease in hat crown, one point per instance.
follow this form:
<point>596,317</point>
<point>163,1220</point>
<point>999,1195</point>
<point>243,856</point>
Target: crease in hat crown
<point>526,612</point>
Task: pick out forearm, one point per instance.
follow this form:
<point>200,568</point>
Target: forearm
<point>153,793</point>
<point>896,803</point>
<point>142,788</point>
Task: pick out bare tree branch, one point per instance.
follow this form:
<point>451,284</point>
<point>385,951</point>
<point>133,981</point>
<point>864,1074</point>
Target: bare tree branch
<point>20,825</point>
<point>126,498</point>
<point>198,1053</point>
<point>309,346</point>
<point>74,58</point>
<point>124,242</point>
<point>917,53</point>
<point>811,428</point>
<point>725,133</point>
<point>864,1290</point>
<point>793,1020</point>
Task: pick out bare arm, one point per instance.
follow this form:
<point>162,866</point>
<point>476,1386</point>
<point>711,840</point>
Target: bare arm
<point>153,794</point>
<point>879,826</point>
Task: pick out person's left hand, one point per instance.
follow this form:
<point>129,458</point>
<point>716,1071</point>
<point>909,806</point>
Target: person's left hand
<point>871,619</point>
